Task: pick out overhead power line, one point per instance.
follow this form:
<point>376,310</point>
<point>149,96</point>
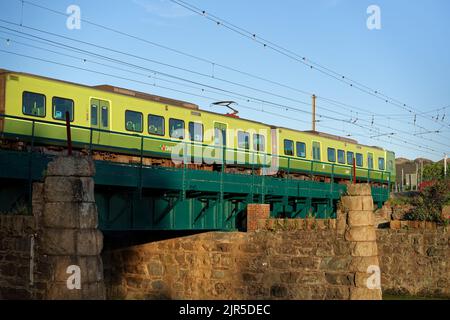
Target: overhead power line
<point>299,58</point>
<point>163,87</point>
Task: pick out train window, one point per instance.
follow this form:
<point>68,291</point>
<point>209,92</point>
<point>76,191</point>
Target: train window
<point>220,134</point>
<point>176,128</point>
<point>390,165</point>
<point>359,160</point>
<point>94,114</point>
<point>243,140</point>
<point>155,125</point>
<point>380,163</point>
<point>33,104</point>
<point>331,155</point>
<point>133,121</point>
<point>350,156</point>
<point>196,131</point>
<point>370,160</point>
<point>104,113</point>
<point>301,149</point>
<point>60,107</point>
<point>288,147</point>
<point>341,156</point>
<point>316,150</point>
<point>258,142</point>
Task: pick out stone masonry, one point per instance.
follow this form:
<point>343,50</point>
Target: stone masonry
<point>358,206</point>
<point>68,230</point>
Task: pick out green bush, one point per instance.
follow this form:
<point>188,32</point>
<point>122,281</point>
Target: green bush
<point>429,203</point>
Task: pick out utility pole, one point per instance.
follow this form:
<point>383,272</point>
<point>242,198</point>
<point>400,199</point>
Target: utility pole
<point>417,176</point>
<point>421,171</point>
<point>403,179</point>
<point>314,112</point>
<point>445,165</point>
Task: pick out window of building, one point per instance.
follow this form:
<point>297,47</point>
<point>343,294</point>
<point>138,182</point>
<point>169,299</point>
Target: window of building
<point>243,140</point>
<point>176,128</point>
<point>350,156</point>
<point>33,104</point>
<point>301,149</point>
<point>288,147</point>
<point>316,150</point>
<point>331,155</point>
<point>196,131</point>
<point>133,121</point>
<point>381,164</point>
<point>370,160</point>
<point>155,125</point>
<point>60,107</point>
<point>359,160</point>
<point>341,156</point>
<point>259,142</point>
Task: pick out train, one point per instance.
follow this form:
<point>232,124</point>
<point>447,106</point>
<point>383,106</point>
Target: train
<point>116,120</point>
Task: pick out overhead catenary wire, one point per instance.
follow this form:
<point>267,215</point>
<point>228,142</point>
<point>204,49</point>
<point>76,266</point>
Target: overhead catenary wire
<point>299,58</point>
<point>132,36</point>
<point>65,46</point>
<point>184,3</point>
<point>146,83</point>
<point>163,87</point>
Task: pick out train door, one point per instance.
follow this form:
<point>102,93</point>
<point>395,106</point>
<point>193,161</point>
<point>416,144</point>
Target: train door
<point>100,121</point>
<point>220,138</point>
<point>316,153</point>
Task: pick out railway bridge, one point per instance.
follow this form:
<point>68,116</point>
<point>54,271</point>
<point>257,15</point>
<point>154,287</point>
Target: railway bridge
<point>137,196</point>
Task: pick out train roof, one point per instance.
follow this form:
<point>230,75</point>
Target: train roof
<point>118,90</point>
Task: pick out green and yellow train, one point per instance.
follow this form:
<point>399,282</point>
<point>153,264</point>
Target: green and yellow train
<point>112,119</point>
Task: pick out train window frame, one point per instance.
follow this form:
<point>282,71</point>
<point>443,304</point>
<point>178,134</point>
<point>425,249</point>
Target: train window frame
<point>241,134</point>
<point>333,158</point>
<point>194,124</point>
<point>171,131</point>
<point>285,149</point>
<point>390,165</point>
<point>350,163</point>
<point>142,121</point>
<point>220,126</point>
<point>300,146</point>
<point>30,113</point>
<point>163,125</point>
<point>341,156</point>
<point>358,157</point>
<point>104,121</point>
<point>258,141</point>
<point>71,112</point>
<point>93,105</point>
<point>314,150</point>
<point>382,167</point>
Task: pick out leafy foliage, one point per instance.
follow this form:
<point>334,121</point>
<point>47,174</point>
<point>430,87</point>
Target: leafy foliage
<point>433,171</point>
<point>429,203</point>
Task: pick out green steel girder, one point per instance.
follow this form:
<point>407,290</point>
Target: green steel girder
<point>136,197</point>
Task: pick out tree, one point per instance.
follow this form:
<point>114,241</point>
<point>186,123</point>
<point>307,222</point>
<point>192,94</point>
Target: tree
<point>433,171</point>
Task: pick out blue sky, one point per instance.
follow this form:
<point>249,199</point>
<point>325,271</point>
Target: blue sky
<point>407,59</point>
